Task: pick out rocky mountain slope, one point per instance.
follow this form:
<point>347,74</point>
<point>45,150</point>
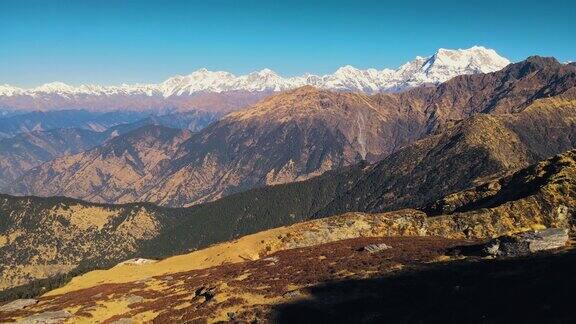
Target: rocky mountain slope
<point>290,136</point>
<point>223,91</point>
<point>113,170</point>
<point>32,227</point>
<point>304,132</point>
<point>473,152</point>
<point>27,150</point>
<point>276,274</point>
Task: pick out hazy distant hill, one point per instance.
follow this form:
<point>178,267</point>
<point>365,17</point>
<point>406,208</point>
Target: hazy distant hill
<point>27,150</point>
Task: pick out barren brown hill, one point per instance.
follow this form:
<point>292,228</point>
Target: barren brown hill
<point>303,133</point>
<point>111,171</point>
<point>290,136</point>
<point>28,150</point>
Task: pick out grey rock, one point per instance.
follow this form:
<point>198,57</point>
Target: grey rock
<point>528,242</point>
<point>134,299</point>
<point>17,305</point>
<point>271,259</point>
<point>123,321</point>
<point>51,317</point>
<point>293,294</point>
<point>372,248</point>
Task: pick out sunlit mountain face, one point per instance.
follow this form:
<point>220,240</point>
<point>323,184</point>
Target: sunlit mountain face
<point>287,162</point>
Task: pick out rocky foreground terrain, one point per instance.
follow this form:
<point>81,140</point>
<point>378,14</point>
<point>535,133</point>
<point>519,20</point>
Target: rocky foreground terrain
<point>352,266</point>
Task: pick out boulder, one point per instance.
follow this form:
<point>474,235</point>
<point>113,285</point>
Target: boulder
<point>138,261</point>
<point>528,242</point>
<point>372,248</point>
<point>48,317</point>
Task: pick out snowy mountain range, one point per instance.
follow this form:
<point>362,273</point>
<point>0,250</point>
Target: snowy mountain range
<point>443,65</point>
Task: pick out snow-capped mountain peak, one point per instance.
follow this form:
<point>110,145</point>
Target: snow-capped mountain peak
<point>446,64</point>
<point>58,87</point>
<point>434,69</point>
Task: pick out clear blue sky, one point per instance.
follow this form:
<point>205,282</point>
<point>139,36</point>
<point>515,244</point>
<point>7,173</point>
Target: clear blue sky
<point>110,42</point>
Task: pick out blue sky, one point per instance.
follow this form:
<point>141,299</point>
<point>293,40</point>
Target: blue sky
<point>110,42</point>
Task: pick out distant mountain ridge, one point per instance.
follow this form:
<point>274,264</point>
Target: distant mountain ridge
<point>40,121</point>
<point>40,137</point>
<point>178,91</point>
<point>296,135</point>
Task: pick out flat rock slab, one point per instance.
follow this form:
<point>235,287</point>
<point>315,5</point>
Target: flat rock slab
<point>528,242</point>
<point>17,305</point>
<point>373,248</point>
<point>138,261</point>
<point>47,317</point>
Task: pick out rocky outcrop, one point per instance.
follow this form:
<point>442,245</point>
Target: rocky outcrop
<point>528,242</point>
<point>373,248</point>
<point>17,304</point>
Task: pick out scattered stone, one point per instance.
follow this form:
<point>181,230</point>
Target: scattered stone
<point>292,294</point>
<point>17,304</point>
<point>168,278</point>
<point>372,248</point>
<point>271,259</point>
<point>492,247</point>
<point>138,261</point>
<point>50,317</point>
<point>207,293</point>
<point>528,242</point>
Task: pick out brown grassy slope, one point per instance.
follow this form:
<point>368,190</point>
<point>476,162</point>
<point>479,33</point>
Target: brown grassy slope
<point>119,168</point>
<point>471,152</point>
<point>283,266</point>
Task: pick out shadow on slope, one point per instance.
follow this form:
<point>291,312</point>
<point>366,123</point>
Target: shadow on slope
<point>525,290</point>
